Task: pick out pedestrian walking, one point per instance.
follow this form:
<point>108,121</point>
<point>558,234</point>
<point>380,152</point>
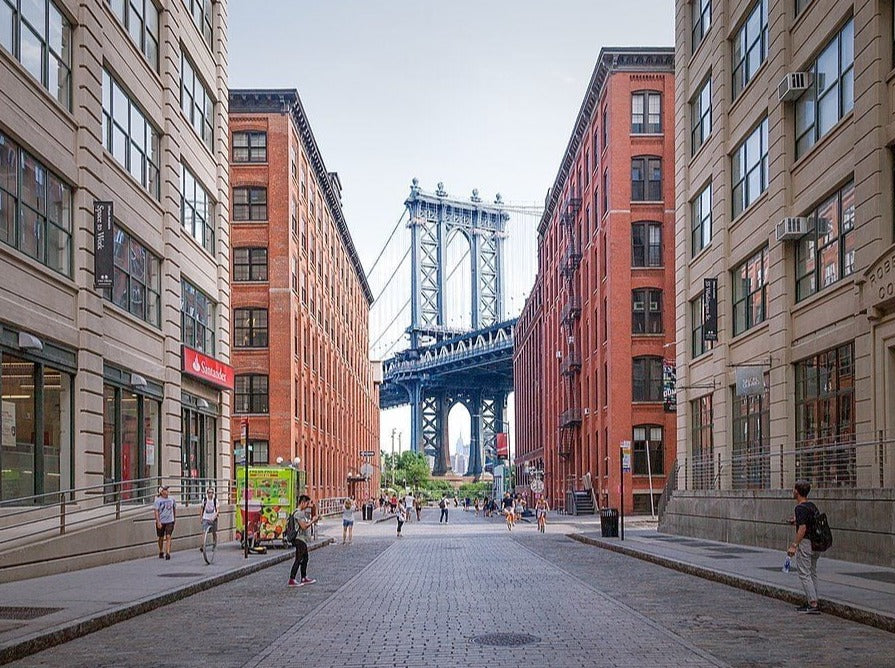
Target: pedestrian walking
<point>541,508</point>
<point>443,504</point>
<point>393,504</point>
<point>418,507</point>
<point>402,516</point>
<point>408,506</point>
<point>347,520</point>
<point>382,505</point>
<point>210,514</point>
<point>165,516</point>
<point>475,504</point>
<point>806,557</point>
<point>305,520</point>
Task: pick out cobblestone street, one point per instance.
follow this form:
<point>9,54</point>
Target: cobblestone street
<point>432,597</point>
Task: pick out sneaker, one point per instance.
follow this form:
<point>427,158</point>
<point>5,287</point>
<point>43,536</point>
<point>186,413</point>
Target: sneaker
<point>808,609</point>
<point>307,581</point>
<point>292,583</point>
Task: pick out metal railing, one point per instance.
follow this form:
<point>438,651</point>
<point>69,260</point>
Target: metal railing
<point>55,513</point>
<point>826,464</point>
<point>330,506</point>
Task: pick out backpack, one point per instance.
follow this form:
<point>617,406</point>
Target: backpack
<point>442,505</point>
<point>291,532</point>
<point>819,533</point>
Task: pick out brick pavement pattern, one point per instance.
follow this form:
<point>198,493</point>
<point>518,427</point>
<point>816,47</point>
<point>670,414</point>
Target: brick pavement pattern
<point>437,592</point>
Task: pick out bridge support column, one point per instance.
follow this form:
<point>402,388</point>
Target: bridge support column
<point>442,448</point>
<point>416,416</point>
<point>475,466</point>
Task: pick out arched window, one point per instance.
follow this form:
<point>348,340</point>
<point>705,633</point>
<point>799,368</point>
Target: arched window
<point>646,112</point>
<point>646,244</point>
<point>646,178</point>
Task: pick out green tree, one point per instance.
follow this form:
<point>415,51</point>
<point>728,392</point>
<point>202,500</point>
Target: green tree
<point>412,467</point>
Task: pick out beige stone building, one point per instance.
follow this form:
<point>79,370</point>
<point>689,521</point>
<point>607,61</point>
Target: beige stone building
<point>785,198</point>
<point>120,102</point>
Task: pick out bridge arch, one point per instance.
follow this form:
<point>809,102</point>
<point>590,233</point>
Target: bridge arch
<point>458,280</point>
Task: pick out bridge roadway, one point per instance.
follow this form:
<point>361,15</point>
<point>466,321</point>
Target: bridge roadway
<point>424,599</point>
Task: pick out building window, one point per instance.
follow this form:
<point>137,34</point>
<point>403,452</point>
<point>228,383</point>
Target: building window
<point>647,379</point>
<point>196,102</point>
<point>649,450</point>
<point>250,328</point>
<point>646,112</point>
<point>251,394</point>
<point>129,136</point>
<point>200,11</point>
<point>136,281</point>
<point>35,208</point>
<point>701,116</point>
<point>196,210</point>
<point>140,21</point>
<point>131,445</point>
<point>750,168</point>
<point>197,319</point>
<point>825,418</point>
<point>697,313</point>
<point>249,264</point>
<point>605,127</point>
<point>751,461</point>
<point>800,5</point>
<point>749,287</point>
<point>259,448</point>
<point>605,191</point>
<point>701,219</point>
<point>38,35</point>
<point>250,147</point>
<point>827,253</point>
<point>646,311</point>
<point>702,439</point>
<point>702,20</point>
<point>646,179</point>
<point>832,92</point>
<point>750,46</point>
<point>646,245</point>
<point>249,203</point>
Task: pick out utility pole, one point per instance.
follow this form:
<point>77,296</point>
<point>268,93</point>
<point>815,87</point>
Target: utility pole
<point>394,482</point>
<point>392,462</point>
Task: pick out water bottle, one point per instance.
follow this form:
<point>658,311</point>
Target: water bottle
<point>787,564</point>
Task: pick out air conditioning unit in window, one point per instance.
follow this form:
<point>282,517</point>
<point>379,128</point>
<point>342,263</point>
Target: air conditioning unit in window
<point>793,228</point>
<point>793,85</point>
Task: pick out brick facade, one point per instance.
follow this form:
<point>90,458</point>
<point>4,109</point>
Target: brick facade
<point>322,401</point>
<point>576,345</point>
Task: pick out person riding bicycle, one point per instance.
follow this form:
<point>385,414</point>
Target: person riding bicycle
<point>541,509</point>
<point>210,513</point>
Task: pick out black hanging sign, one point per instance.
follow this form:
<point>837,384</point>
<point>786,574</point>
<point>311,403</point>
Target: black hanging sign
<point>103,245</point>
<point>710,310</point>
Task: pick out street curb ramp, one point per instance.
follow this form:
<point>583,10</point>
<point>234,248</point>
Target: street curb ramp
<point>848,611</point>
<point>77,628</point>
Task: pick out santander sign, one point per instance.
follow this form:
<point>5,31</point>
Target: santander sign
<point>207,369</point>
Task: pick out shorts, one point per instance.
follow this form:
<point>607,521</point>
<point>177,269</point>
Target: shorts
<point>210,523</point>
<point>347,523</point>
<point>165,529</point>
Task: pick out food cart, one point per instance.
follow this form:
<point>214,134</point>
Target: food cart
<point>272,496</point>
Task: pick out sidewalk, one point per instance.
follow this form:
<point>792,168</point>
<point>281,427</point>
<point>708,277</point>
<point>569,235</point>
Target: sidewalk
<point>859,592</point>
<point>46,611</point>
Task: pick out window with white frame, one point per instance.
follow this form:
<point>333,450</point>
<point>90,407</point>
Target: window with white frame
<point>129,136</point>
<point>750,168</point>
<point>832,92</point>
<point>701,116</point>
<point>646,112</point>
<point>827,253</point>
<point>750,46</point>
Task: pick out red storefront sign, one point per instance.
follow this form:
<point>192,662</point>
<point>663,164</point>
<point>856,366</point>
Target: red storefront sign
<point>207,369</point>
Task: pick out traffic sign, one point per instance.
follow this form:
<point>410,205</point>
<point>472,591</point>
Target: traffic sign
<point>537,486</point>
<point>626,456</point>
<point>368,453</point>
<point>366,469</point>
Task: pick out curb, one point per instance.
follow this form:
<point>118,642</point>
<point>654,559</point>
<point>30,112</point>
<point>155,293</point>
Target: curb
<point>848,611</point>
<point>80,627</point>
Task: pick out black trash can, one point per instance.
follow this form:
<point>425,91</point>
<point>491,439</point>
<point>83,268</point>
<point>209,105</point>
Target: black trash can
<point>609,522</point>
<point>368,511</point>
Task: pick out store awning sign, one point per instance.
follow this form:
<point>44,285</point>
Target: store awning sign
<point>103,245</point>
<point>750,380</point>
<point>207,369</point>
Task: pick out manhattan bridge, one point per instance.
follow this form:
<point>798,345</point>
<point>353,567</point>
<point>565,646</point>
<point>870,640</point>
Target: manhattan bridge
<point>449,285</point>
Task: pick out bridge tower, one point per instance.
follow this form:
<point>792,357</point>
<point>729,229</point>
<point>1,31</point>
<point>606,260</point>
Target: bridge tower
<point>434,220</point>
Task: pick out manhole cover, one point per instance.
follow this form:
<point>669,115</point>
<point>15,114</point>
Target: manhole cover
<point>179,575</point>
<point>505,639</point>
<point>22,612</point>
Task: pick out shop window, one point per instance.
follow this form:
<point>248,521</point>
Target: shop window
<point>131,456</point>
<point>197,319</point>
<point>702,442</point>
<point>198,450</point>
<point>751,461</point>
<point>136,281</point>
<point>35,208</point>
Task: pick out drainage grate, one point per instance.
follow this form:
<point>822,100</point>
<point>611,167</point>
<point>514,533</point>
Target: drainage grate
<point>179,575</point>
<point>22,612</point>
<point>505,639</point>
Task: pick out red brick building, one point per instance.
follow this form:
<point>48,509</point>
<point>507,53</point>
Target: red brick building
<point>600,320</point>
<point>300,302</point>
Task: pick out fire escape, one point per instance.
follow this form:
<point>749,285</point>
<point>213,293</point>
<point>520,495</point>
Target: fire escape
<point>570,367</point>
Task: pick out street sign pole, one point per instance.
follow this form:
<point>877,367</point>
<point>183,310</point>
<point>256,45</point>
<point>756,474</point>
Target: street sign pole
<point>245,489</point>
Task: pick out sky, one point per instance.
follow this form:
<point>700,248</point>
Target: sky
<point>472,93</point>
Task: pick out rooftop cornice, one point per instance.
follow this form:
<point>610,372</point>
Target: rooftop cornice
<point>610,61</point>
<point>287,100</point>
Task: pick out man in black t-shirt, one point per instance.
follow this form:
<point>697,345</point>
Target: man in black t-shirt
<point>806,557</point>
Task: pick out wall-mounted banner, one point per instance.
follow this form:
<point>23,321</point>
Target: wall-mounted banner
<point>710,310</point>
<point>750,380</point>
<point>503,447</point>
<point>103,245</point>
<point>669,386</point>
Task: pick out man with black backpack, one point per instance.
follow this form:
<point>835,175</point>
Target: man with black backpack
<point>802,548</point>
<point>298,532</point>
